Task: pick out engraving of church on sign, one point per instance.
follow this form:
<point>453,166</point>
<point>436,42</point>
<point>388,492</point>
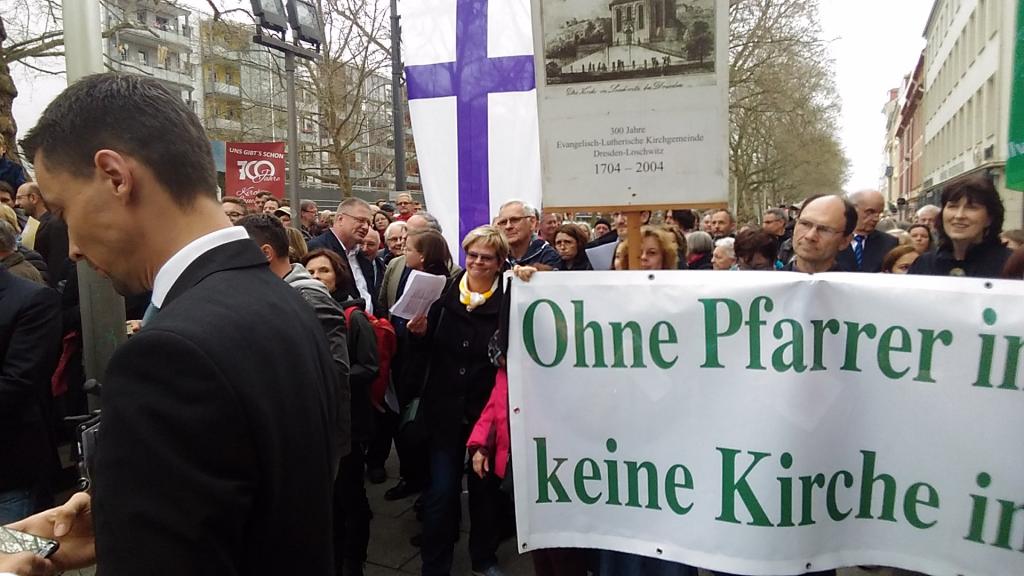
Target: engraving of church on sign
<point>588,40</point>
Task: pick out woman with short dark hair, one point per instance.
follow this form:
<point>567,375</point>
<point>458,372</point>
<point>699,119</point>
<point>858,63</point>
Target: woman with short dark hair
<point>570,243</point>
<point>969,225</point>
<point>756,250</point>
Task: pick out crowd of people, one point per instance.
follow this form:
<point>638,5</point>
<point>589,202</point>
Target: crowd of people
<point>266,379</point>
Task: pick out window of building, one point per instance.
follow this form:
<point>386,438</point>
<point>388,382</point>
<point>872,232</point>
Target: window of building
<point>991,107</point>
<point>140,16</point>
<point>618,19</point>
<point>142,57</point>
<point>640,17</point>
<point>162,23</point>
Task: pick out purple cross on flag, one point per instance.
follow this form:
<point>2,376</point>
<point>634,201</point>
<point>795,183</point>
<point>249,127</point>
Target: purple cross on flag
<point>469,72</point>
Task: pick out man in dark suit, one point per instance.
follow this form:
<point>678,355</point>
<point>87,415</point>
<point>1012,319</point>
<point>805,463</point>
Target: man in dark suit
<point>216,451</point>
<point>29,347</point>
<point>345,238</point>
<point>869,246</point>
<point>51,236</point>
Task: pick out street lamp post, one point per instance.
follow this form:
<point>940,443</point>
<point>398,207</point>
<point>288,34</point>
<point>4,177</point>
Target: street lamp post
<point>397,113</point>
<point>102,308</point>
<point>303,19</point>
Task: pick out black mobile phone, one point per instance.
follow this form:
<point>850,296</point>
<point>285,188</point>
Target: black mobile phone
<point>13,542</point>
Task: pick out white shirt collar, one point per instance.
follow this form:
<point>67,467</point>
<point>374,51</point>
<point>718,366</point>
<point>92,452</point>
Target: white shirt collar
<point>342,242</point>
<point>176,265</point>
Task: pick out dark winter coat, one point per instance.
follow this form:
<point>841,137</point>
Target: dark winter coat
<point>460,375</point>
<point>984,260</point>
<point>364,366</point>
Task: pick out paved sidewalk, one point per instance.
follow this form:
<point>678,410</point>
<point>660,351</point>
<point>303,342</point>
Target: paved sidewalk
<point>394,523</point>
<point>390,553</point>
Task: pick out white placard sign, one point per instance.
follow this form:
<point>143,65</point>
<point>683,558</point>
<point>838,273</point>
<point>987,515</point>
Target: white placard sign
<point>771,423</point>
<point>633,101</point>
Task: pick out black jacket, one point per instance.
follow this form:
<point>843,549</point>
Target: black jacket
<point>52,245</point>
<point>329,241</point>
<point>608,238</point>
<point>538,252</point>
<point>36,260</point>
<point>876,246</point>
<point>364,366</point>
<point>216,450</point>
<point>581,262</point>
<point>460,376</point>
<point>30,339</point>
<point>985,260</point>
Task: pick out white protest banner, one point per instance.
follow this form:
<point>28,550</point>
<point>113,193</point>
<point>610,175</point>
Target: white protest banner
<point>771,423</point>
<point>633,99</point>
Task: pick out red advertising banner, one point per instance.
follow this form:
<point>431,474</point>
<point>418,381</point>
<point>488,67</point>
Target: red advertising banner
<point>254,167</point>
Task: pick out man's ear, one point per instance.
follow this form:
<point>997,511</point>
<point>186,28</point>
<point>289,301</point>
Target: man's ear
<point>115,168</point>
<point>268,252</point>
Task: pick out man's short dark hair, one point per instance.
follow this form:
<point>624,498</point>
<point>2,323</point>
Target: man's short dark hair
<point>134,116</point>
<point>686,219</point>
<point>848,207</point>
<point>266,229</point>
<point>604,221</point>
<point>732,219</point>
<point>5,187</point>
<point>232,200</point>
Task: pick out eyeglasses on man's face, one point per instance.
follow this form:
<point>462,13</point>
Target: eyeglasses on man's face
<point>510,221</point>
<point>808,226</point>
<point>360,219</point>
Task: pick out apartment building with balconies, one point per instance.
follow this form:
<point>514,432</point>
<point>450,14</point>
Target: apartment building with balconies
<point>968,73</point>
<point>155,39</point>
<point>244,95</point>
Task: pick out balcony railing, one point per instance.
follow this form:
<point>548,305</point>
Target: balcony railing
<point>224,124</point>
<point>223,88</point>
<point>153,36</point>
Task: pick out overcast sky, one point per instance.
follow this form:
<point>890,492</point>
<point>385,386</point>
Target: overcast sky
<point>876,43</point>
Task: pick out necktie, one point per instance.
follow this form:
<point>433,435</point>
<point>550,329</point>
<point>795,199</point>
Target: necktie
<point>858,250</point>
<point>151,311</point>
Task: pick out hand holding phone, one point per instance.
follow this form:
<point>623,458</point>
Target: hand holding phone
<point>26,564</point>
<point>13,542</point>
<point>71,524</point>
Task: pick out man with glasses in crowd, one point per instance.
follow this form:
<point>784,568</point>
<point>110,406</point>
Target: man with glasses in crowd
<point>394,241</point>
<point>234,208</point>
<point>517,221</point>
<point>869,246</point>
<point>823,229</point>
<point>346,239</point>
<point>406,207</point>
<point>308,211</point>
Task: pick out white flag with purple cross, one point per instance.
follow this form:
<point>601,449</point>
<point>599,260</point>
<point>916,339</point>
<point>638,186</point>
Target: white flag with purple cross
<point>470,78</point>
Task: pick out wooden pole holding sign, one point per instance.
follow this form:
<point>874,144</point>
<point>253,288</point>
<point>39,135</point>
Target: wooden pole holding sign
<point>635,239</point>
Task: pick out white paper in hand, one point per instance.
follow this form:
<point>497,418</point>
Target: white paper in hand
<point>421,290</point>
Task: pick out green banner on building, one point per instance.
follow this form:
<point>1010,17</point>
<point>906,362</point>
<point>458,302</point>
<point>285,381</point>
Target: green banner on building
<point>1015,158</point>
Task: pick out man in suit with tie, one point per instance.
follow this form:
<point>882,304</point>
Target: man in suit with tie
<point>346,239</point>
<point>216,451</point>
<point>29,346</point>
<point>869,246</point>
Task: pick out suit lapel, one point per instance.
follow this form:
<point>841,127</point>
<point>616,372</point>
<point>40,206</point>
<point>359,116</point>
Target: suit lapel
<point>230,256</point>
